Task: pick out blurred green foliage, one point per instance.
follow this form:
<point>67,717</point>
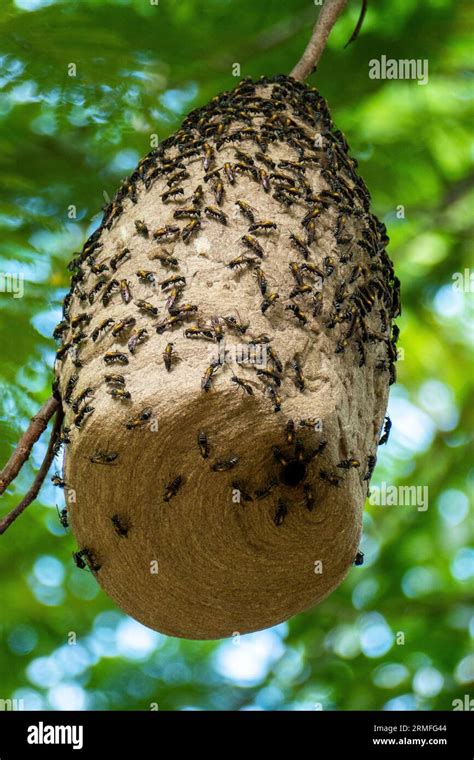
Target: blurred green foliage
<point>396,633</point>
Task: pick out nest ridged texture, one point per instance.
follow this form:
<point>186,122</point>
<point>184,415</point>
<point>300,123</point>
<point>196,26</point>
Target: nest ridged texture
<point>216,485</point>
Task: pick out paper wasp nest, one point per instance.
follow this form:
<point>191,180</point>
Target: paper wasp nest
<point>226,354</point>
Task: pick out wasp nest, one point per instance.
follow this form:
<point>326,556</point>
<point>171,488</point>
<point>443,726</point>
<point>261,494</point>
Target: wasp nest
<point>226,354</point>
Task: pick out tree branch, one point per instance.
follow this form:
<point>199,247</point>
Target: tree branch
<point>36,428</point>
<point>42,472</point>
<point>328,16</point>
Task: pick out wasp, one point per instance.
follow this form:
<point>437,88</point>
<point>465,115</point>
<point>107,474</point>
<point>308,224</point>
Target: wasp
<point>265,160</point>
<point>80,320</point>
<point>359,558</point>
<point>168,356</point>
<point>295,270</point>
<point>115,357</point>
<point>264,179</point>
<point>171,195</point>
<point>245,158</point>
<point>60,328</point>
<point>141,228</point>
<point>290,432</point>
<point>119,258</point>
<point>74,354</point>
<point>270,375</point>
<point>283,178</point>
<point>178,177</point>
<point>97,287</point>
<point>315,452</point>
<point>123,326</point>
<point>300,246</point>
<point>172,488</point>
<point>329,478</point>
<point>113,285</point>
<point>146,277</point>
<point>239,486</point>
<point>310,232</point>
<point>175,280</point>
<point>207,377</point>
<point>259,339</point>
<point>120,393</point>
<point>203,444</point>
<point>269,301</point>
<point>147,308</point>
<point>185,308</point>
<point>81,398</point>
<point>104,457</point>
<point>168,233</point>
<point>79,338</point>
<point>79,562</point>
<point>115,380</point>
<point>140,419</point>
<point>262,226</point>
<point>298,168</point>
<point>58,481</point>
<point>174,295</point>
<point>371,460</point>
<point>300,315</point>
<point>235,324</point>
<point>299,379</point>
<point>187,213</point>
<point>309,267</point>
<point>137,339</point>
<point>63,517</point>
<point>246,210</point>
<point>214,213</point>
<point>84,558</point>
<point>166,259</point>
<point>101,328</point>
<point>79,418</point>
<point>262,283</point>
<point>222,465</point>
<point>300,290</point>
<point>208,156</point>
<point>176,319</point>
<point>275,359</point>
<point>246,387</point>
<point>280,513</point>
<point>346,464</point>
<point>275,398</point>
<point>240,261</point>
<point>386,431</point>
<point>262,493</point>
<point>218,190</point>
<point>229,173</point>
<point>253,245</point>
<point>243,168</point>
<point>197,196</point>
<point>120,527</point>
<point>277,454</point>
<point>328,265</point>
<point>360,348</point>
<point>72,382</point>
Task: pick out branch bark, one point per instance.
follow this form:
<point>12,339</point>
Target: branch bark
<point>328,16</point>
<point>36,428</point>
<point>42,472</point>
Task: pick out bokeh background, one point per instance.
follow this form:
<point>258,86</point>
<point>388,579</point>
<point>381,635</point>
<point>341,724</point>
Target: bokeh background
<point>398,633</point>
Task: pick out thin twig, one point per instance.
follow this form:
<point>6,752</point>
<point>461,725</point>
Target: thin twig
<point>328,16</point>
<point>36,428</point>
<point>356,31</point>
<point>38,481</point>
